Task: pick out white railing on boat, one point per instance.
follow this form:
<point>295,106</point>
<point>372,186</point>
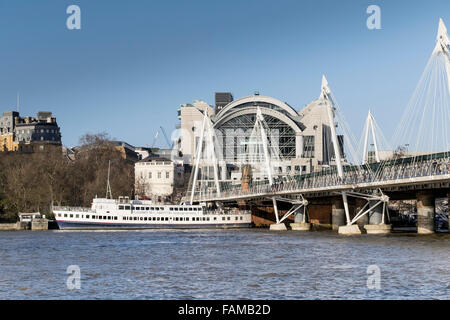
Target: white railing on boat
<point>78,209</point>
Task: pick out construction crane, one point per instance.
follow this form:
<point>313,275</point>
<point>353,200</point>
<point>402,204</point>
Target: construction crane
<point>170,145</point>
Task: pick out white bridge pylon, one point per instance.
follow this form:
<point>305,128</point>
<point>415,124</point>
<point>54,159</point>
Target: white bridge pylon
<point>207,136</point>
<point>261,153</point>
<point>379,197</point>
<point>370,126</point>
<point>443,47</point>
<point>327,97</point>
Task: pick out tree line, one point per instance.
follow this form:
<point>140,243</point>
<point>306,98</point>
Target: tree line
<point>32,182</point>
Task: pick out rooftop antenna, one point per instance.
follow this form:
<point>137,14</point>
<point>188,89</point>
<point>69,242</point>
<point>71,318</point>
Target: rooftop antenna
<point>108,185</point>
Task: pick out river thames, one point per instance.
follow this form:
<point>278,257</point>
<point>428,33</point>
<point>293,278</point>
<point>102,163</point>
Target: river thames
<point>222,264</point>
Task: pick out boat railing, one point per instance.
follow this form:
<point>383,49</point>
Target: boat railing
<point>226,212</point>
<point>66,208</point>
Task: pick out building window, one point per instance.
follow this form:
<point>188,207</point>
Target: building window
<point>150,175</point>
<point>308,147</point>
<point>167,174</point>
<point>159,174</point>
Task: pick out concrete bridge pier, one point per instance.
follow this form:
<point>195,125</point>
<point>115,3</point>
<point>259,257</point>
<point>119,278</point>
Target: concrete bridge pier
<point>359,204</point>
<point>337,213</point>
<point>375,221</point>
<point>300,223</point>
<point>375,216</point>
<point>425,213</point>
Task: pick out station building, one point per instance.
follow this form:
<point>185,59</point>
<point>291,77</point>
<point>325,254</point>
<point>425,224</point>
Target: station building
<point>302,135</point>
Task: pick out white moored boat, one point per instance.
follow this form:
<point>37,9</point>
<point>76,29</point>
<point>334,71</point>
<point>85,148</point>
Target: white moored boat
<point>143,214</point>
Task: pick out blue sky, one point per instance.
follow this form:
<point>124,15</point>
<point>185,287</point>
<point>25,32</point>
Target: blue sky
<point>133,63</point>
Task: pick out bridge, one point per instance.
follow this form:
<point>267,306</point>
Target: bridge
<point>422,173</point>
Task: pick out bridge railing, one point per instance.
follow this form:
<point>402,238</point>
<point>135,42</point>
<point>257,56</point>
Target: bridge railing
<point>383,171</point>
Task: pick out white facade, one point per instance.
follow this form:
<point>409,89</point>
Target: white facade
<point>155,178</point>
<point>191,117</point>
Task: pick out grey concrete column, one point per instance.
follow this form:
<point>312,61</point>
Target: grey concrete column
<point>337,213</point>
<point>375,215</point>
<point>425,213</point>
<point>298,217</point>
<point>359,204</point>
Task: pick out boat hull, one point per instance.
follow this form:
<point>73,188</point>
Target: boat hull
<point>81,225</point>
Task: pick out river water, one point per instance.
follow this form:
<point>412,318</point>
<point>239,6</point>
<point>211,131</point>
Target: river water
<point>223,264</point>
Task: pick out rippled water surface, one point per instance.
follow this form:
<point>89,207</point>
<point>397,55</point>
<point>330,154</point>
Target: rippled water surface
<point>224,264</point>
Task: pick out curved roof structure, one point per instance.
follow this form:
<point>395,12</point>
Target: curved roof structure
<point>255,99</point>
<point>265,111</point>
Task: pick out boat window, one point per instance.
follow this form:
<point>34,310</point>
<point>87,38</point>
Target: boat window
<point>223,218</point>
<point>71,215</point>
<point>157,219</point>
<point>93,217</point>
<point>121,207</point>
<point>167,219</point>
<point>161,208</point>
<point>154,218</point>
<point>87,216</point>
<point>228,218</point>
<point>176,208</point>
<point>127,207</point>
<point>147,208</point>
<point>185,209</point>
<point>190,209</point>
<point>145,218</point>
<point>241,218</point>
<point>124,218</point>
<point>176,218</point>
<point>135,218</point>
<point>187,219</point>
<point>207,218</point>
<point>157,208</point>
<point>236,218</point>
<point>215,218</point>
<point>115,218</point>
<point>142,218</point>
<point>65,215</point>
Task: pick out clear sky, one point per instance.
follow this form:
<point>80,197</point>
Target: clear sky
<point>133,63</point>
